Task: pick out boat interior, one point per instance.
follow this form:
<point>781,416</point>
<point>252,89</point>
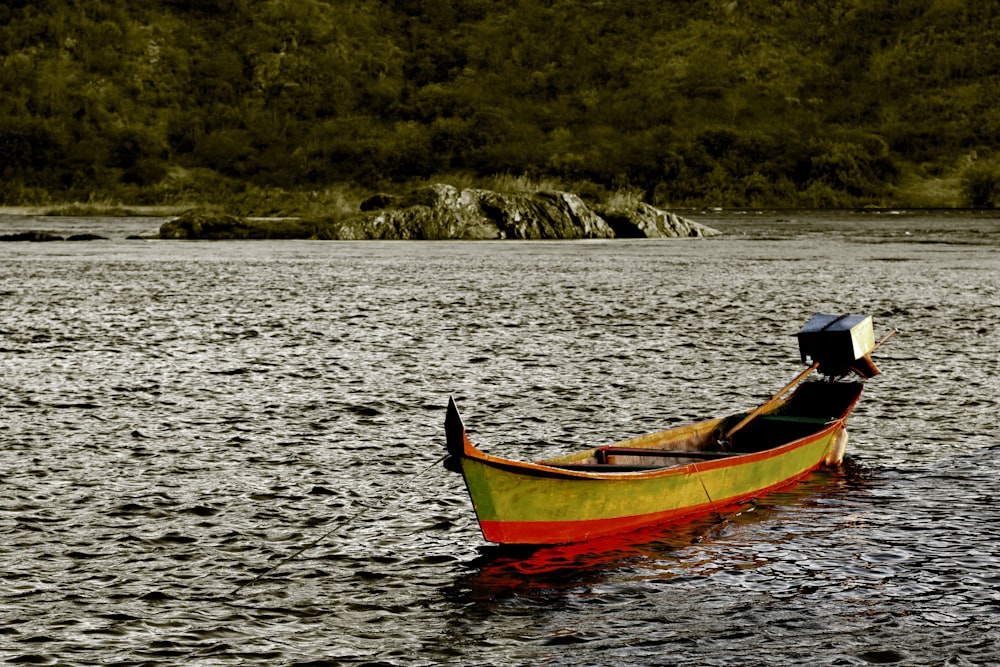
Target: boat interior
<point>810,409</point>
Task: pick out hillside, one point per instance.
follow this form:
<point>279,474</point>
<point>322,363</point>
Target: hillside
<point>723,103</point>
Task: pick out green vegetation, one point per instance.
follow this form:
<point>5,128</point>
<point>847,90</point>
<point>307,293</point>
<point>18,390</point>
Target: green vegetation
<point>300,106</point>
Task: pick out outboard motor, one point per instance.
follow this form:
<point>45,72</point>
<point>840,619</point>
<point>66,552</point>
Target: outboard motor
<point>840,344</point>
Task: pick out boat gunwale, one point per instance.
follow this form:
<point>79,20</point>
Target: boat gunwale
<point>540,469</point>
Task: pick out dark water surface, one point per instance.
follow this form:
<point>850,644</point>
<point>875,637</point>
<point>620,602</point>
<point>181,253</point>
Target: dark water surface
<point>177,418</point>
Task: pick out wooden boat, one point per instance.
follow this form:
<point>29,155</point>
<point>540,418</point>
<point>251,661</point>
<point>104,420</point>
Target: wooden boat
<point>680,472</point>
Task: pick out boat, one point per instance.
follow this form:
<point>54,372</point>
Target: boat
<point>681,472</point>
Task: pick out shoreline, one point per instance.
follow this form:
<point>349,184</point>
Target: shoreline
<point>20,210</point>
<point>166,211</point>
<point>91,210</point>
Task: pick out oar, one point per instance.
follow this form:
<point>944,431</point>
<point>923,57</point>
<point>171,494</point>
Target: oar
<point>774,399</point>
<point>770,402</point>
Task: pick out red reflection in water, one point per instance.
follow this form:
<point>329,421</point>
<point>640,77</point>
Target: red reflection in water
<point>531,571</point>
<point>528,570</point>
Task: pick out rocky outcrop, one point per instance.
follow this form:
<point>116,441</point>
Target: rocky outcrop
<point>645,221</point>
<point>33,237</point>
<point>210,225</point>
<point>41,237</point>
<point>200,224</point>
<point>445,212</point>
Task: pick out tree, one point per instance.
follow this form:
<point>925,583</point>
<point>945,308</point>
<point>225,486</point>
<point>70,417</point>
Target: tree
<point>981,185</point>
<point>27,146</point>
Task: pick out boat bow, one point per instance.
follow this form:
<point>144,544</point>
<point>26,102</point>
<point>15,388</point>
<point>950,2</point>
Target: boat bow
<point>458,441</point>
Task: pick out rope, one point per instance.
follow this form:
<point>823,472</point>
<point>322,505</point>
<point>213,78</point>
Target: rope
<point>341,525</point>
<point>704,488</point>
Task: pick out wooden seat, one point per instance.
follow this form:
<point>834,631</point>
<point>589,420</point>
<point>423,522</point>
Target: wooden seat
<point>604,466</point>
<point>601,467</point>
<point>679,453</point>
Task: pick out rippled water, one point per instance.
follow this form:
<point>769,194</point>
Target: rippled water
<point>179,418</point>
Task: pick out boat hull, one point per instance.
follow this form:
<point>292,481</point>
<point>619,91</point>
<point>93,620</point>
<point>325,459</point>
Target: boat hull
<point>551,503</point>
<point>528,507</point>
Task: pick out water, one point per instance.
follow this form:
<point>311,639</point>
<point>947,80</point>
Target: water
<point>178,418</point>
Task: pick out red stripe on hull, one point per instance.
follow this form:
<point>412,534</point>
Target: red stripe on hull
<point>565,532</point>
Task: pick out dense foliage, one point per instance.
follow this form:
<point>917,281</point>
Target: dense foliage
<point>741,102</point>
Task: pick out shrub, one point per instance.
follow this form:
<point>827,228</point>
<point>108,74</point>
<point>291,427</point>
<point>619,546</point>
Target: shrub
<point>28,145</point>
<point>981,185</point>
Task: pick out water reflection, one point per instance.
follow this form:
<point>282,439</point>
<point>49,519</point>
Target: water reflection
<point>683,549</point>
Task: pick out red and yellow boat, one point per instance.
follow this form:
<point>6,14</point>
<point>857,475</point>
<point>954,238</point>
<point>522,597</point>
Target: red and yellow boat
<point>680,472</point>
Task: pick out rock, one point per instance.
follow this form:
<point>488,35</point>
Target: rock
<point>201,224</point>
<point>34,237</point>
<point>209,225</point>
<point>444,212</point>
<point>544,215</point>
<point>86,237</point>
<point>647,221</point>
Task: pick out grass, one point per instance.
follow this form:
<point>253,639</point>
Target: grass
<point>110,210</point>
<point>624,200</point>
